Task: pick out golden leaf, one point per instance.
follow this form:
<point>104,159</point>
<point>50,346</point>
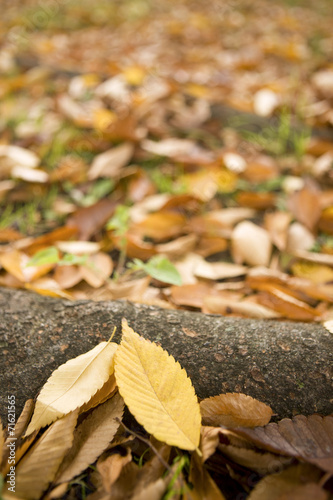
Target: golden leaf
<point>91,438</point>
<point>73,384</point>
<point>39,466</point>
<point>233,410</point>
<point>157,391</point>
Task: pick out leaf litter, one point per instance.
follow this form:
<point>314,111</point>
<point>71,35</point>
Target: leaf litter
<point>187,170</point>
<point>161,444</point>
<point>240,152</point>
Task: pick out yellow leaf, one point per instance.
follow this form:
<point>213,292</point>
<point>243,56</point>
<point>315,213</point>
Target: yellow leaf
<point>39,466</point>
<point>157,391</point>
<point>91,438</point>
<point>73,384</point>
<point>233,410</point>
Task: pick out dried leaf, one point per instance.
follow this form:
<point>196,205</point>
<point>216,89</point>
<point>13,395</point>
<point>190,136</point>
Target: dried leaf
<point>89,220</point>
<point>157,391</point>
<point>73,384</point>
<point>307,438</point>
<point>218,270</point>
<point>190,295</point>
<point>283,483</point>
<point>261,462</point>
<point>97,269</point>
<point>251,244</point>
<point>214,304</point>
<point>305,206</point>
<point>233,410</point>
<point>110,163</point>
<point>110,468</point>
<point>161,225</point>
<point>38,467</point>
<point>15,262</point>
<point>299,238</point>
<point>91,438</point>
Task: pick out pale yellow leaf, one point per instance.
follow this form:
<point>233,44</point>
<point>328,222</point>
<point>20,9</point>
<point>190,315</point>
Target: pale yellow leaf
<point>251,244</point>
<point>39,466</point>
<point>73,384</point>
<point>157,391</point>
<point>92,437</point>
<point>233,410</point>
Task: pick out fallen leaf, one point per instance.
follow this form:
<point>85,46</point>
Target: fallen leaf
<point>110,163</point>
<point>299,238</point>
<point>111,468</point>
<point>233,410</point>
<point>89,220</point>
<point>190,295</point>
<point>157,391</point>
<point>251,244</point>
<point>97,269</point>
<point>261,462</point>
<point>16,263</point>
<point>73,384</point>
<point>305,206</point>
<point>282,483</point>
<point>218,270</point>
<point>91,438</point>
<point>38,467</point>
<point>19,156</point>
<point>306,438</point>
<point>161,226</point>
<point>214,304</point>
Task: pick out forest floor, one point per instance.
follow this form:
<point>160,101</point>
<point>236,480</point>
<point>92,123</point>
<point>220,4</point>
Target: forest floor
<point>163,153</point>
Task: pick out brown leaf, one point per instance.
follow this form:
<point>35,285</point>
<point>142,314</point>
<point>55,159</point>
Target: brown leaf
<point>306,438</point>
<point>190,295</point>
<point>63,233</point>
<point>38,467</point>
<point>233,410</point>
<point>215,304</point>
<point>89,220</point>
<point>110,468</point>
<point>91,438</point>
<point>257,201</point>
<point>161,226</point>
<point>287,305</point>
<point>285,482</point>
<point>305,206</point>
